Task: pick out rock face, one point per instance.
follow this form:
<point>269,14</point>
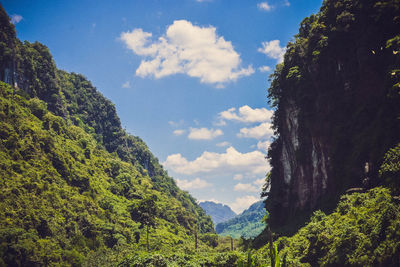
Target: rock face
<point>218,212</point>
<point>336,103</point>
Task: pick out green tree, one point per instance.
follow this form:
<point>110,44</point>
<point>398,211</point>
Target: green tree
<point>145,212</point>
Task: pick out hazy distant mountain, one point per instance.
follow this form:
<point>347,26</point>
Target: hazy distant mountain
<point>247,224</point>
<point>218,212</point>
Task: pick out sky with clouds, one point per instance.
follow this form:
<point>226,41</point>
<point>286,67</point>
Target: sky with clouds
<point>189,77</point>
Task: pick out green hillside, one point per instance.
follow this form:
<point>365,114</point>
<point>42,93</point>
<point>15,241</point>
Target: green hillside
<point>364,230</point>
<point>71,96</point>
<point>248,224</point>
<point>64,198</point>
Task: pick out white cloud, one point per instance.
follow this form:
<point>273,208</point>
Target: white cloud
<point>204,133</point>
<point>246,114</point>
<point>210,199</point>
<point>126,84</point>
<point>242,203</point>
<point>223,144</point>
<point>16,18</point>
<point>264,69</point>
<point>263,145</point>
<point>219,123</point>
<point>259,182</point>
<point>176,123</point>
<point>286,3</point>
<point>273,50</point>
<point>246,188</point>
<point>230,162</point>
<point>238,177</point>
<point>262,131</point>
<point>186,48</point>
<point>264,6</point>
<point>194,184</point>
<point>179,132</point>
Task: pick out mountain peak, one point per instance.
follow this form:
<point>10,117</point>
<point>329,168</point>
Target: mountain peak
<point>218,212</point>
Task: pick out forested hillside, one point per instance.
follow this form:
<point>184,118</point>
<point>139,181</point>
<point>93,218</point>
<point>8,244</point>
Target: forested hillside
<point>247,224</point>
<point>363,230</point>
<point>75,186</point>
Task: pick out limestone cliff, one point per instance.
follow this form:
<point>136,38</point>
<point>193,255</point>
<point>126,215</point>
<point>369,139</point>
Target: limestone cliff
<point>336,101</point>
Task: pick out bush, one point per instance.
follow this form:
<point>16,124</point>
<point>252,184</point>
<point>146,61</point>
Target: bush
<point>37,107</point>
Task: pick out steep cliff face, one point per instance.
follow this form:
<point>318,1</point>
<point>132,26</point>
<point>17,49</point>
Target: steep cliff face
<point>336,102</point>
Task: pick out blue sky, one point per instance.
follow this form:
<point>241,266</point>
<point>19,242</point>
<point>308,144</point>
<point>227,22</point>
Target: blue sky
<point>189,77</point>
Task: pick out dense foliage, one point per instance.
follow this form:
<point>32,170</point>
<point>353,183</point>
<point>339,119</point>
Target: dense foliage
<point>248,224</point>
<point>64,198</point>
<point>364,230</point>
<point>390,169</point>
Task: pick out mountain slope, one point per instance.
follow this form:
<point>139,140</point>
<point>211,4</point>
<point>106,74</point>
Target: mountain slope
<point>74,183</point>
<point>30,67</point>
<point>336,100</point>
<point>363,230</point>
<point>63,194</point>
<point>218,212</point>
<point>248,224</point>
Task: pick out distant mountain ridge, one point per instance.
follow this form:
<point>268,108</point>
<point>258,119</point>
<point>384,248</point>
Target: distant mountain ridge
<point>218,212</point>
<point>247,224</point>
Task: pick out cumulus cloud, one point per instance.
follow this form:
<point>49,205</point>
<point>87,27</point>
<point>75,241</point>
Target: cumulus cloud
<point>246,114</point>
<point>238,177</point>
<point>194,184</point>
<point>210,199</point>
<point>246,188</point>
<point>176,123</point>
<point>223,144</point>
<point>179,132</point>
<point>230,162</point>
<point>242,203</point>
<point>16,18</point>
<point>264,6</point>
<point>204,133</point>
<point>189,49</point>
<point>263,145</point>
<point>262,131</point>
<point>264,68</point>
<point>286,3</point>
<point>259,182</point>
<point>273,50</point>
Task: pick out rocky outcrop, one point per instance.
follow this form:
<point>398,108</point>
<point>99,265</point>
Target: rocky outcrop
<point>335,107</point>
